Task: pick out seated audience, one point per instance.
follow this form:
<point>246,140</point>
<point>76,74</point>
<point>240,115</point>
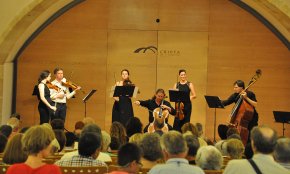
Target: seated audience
<point>78,129</point>
<point>6,130</point>
<point>114,145</point>
<point>3,142</point>
<point>89,149</point>
<point>263,140</point>
<point>106,141</point>
<point>70,141</point>
<point>57,124</point>
<point>235,148</point>
<point>36,142</point>
<point>199,128</point>
<point>13,152</point>
<point>133,126</point>
<point>15,124</point>
<point>136,138</point>
<point>118,131</point>
<point>151,150</point>
<point>209,158</point>
<point>174,152</point>
<point>282,152</point>
<point>189,127</point>
<point>60,137</point>
<point>89,120</point>
<point>129,156</point>
<point>192,145</point>
<point>221,145</point>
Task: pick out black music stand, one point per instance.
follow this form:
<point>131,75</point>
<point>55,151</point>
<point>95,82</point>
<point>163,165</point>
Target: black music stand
<point>214,102</point>
<point>179,96</point>
<point>282,117</point>
<point>87,97</point>
<point>126,91</point>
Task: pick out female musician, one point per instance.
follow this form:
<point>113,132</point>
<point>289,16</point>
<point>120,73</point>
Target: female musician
<point>46,106</point>
<point>154,103</point>
<point>184,85</point>
<point>249,96</point>
<point>122,109</point>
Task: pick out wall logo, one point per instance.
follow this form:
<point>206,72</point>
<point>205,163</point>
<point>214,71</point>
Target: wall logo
<point>146,49</point>
<point>154,49</point>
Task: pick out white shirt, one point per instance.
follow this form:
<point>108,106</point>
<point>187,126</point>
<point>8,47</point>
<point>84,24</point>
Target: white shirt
<point>64,90</point>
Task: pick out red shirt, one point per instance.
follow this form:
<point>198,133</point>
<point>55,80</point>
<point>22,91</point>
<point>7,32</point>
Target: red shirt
<point>25,169</point>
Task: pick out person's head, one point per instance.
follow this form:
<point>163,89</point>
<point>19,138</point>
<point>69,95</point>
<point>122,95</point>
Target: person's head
<point>115,143</point>
<point>106,139</point>
<point>173,145</point>
<point>60,137</point>
<point>90,145</point>
<point>14,123</point>
<point>263,139</point>
<point>282,150</point>
<point>16,115</point>
<point>150,146</point>
<point>3,142</point>
<point>159,95</point>
<point>58,72</point>
<point>13,152</point>
<point>88,120</point>
<point>199,129</point>
<point>57,124</point>
<point>234,136</point>
<point>37,140</point>
<point>133,126</point>
<point>6,130</point>
<point>192,144</point>
<point>129,158</point>
<point>70,139</point>
<point>231,131</point>
<point>209,158</point>
<point>125,74</point>
<point>136,138</point>
<point>44,75</point>
<point>235,148</point>
<point>239,86</point>
<point>91,128</point>
<point>222,147</point>
<point>78,129</point>
<point>182,74</point>
<point>222,131</point>
<point>189,127</point>
<point>24,129</point>
<point>117,130</point>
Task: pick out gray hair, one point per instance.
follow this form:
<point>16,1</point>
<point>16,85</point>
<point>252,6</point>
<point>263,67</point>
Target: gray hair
<point>150,146</point>
<point>282,150</point>
<point>209,158</point>
<point>235,148</point>
<point>264,139</point>
<point>173,143</point>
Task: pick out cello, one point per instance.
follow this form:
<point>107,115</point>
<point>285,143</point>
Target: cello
<point>242,113</point>
<point>160,116</point>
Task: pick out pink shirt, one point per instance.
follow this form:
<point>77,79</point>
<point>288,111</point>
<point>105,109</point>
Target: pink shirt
<point>25,169</point>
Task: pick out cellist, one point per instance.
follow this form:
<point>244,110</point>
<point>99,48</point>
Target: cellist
<point>154,103</point>
<point>248,96</point>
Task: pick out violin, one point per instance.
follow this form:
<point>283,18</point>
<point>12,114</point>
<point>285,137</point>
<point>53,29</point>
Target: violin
<point>52,86</point>
<point>70,84</point>
<point>179,107</point>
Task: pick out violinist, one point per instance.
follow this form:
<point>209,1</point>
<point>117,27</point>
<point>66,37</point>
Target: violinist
<point>250,98</point>
<point>154,103</point>
<point>60,96</point>
<point>184,85</point>
<point>46,106</point>
<point>122,109</point>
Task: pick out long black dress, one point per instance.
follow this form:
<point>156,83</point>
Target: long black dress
<point>187,108</point>
<point>45,112</point>
<point>122,110</point>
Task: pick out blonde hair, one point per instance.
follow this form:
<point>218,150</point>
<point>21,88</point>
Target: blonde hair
<point>37,138</point>
<point>235,148</point>
<point>13,153</point>
<point>14,123</point>
<point>136,138</point>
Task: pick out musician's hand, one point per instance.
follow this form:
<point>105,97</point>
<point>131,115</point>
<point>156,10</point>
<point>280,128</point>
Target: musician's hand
<point>137,103</point>
<point>244,94</point>
<point>53,108</point>
<point>78,88</point>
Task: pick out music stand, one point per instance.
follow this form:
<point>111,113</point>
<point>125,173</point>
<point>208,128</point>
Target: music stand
<point>214,102</point>
<point>282,117</point>
<point>179,96</point>
<point>87,97</point>
<point>126,91</point>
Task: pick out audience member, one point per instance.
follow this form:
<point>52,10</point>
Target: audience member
<point>60,137</point>
<point>118,131</point>
<point>78,129</point>
<point>235,148</point>
<point>6,130</point>
<point>89,120</point>
<point>189,127</point>
<point>106,141</point>
<point>57,124</point>
<point>174,152</point>
<point>192,145</point>
<point>24,129</point>
<point>199,128</point>
<point>15,124</point>
<point>209,158</point>
<point>3,142</point>
<point>133,126</point>
<point>13,152</point>
<point>151,150</point>
<point>263,140</point>
<point>36,142</point>
<point>282,152</point>
<point>136,138</point>
<point>89,149</point>
<point>70,141</point>
<point>222,147</point>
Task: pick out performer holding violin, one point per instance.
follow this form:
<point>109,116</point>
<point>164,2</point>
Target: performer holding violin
<point>122,108</point>
<point>157,101</point>
<point>183,110</point>
<point>60,96</point>
<point>46,106</point>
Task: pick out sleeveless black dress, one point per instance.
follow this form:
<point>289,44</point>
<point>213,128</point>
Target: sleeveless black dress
<point>45,112</point>
<point>122,110</point>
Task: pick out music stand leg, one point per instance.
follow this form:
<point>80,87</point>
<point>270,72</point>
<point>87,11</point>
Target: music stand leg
<point>214,140</point>
<point>283,129</point>
<point>85,109</point>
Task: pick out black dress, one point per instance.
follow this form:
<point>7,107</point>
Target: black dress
<point>122,110</point>
<point>187,108</point>
<point>45,112</point>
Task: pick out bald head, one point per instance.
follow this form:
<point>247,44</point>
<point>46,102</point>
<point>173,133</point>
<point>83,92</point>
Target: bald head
<point>263,139</point>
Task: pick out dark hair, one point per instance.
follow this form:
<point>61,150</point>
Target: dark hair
<point>89,143</point>
<point>16,115</point>
<point>234,136</point>
<point>159,91</point>
<point>24,129</point>
<point>222,131</point>
<point>57,124</point>
<point>125,70</point>
<point>192,144</point>
<point>262,142</point>
<point>91,128</point>
<point>115,143</point>
<point>182,70</point>
<point>150,147</point>
<point>57,69</point>
<point>3,142</point>
<point>128,153</point>
<point>70,139</point>
<point>43,75</point>
<point>231,131</point>
<point>6,130</point>
<point>240,83</point>
<point>133,126</point>
<point>79,125</point>
<point>60,137</point>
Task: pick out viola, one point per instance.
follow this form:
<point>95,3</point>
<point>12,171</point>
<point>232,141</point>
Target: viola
<point>52,86</point>
<point>179,107</point>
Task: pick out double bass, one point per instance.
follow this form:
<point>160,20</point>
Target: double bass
<point>242,113</point>
<point>160,116</point>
